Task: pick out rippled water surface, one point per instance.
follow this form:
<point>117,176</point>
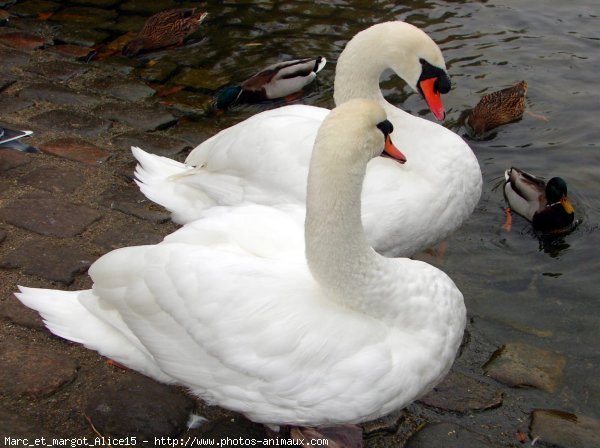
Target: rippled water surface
<point>517,286</point>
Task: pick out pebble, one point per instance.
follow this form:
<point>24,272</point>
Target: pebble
<point>76,149</point>
<point>140,407</point>
<point>522,365</point>
<point>132,202</point>
<point>51,260</point>
<point>48,215</point>
<point>447,435</point>
<point>564,430</point>
<point>22,41</point>
<point>152,143</point>
<point>54,180</point>
<point>10,159</point>
<point>57,94</point>
<point>70,122</point>
<point>143,118</point>
<point>461,393</point>
<point>33,371</point>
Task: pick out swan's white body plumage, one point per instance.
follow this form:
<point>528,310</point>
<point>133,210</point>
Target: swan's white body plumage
<point>264,159</point>
<point>229,306</point>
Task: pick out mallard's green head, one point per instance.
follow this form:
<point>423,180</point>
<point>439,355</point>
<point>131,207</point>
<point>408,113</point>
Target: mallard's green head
<point>227,97</point>
<point>556,191</point>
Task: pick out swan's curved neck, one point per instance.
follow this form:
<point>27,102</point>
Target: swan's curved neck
<point>372,51</point>
<point>337,251</point>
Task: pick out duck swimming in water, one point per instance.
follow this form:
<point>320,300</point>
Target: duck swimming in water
<point>546,205</point>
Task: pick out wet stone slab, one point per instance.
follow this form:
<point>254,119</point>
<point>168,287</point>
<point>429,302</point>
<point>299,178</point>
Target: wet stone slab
<point>2,235</point>
<point>124,90</point>
<point>143,118</point>
<point>132,202</point>
<point>152,143</point>
<point>158,71</point>
<point>23,41</point>
<point>80,124</point>
<point>51,260</point>
<point>138,406</point>
<point>522,365</point>
<point>58,70</point>
<point>31,8</point>
<point>48,215</point>
<point>564,430</point>
<point>74,51</point>
<point>76,149</point>
<point>57,94</point>
<point>447,435</point>
<point>11,104</point>
<point>460,393</point>
<point>54,180</point>
<point>86,16</point>
<point>10,159</point>
<point>13,58</point>
<point>73,34</point>
<point>33,371</point>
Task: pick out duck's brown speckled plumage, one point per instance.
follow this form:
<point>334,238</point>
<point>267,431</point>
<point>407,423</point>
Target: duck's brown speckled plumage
<point>498,108</point>
<point>164,29</point>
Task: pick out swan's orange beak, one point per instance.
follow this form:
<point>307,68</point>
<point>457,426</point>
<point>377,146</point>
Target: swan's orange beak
<point>392,151</point>
<point>433,98</point>
<point>567,205</point>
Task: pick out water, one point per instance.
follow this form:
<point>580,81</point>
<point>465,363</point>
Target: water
<point>517,286</point>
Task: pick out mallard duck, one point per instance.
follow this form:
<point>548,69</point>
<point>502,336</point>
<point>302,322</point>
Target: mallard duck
<point>10,139</point>
<point>546,205</point>
<point>275,81</point>
<point>255,313</point>
<point>498,108</point>
<point>164,29</point>
<point>264,159</point>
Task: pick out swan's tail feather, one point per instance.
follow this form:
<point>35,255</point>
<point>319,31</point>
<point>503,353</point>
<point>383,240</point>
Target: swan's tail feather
<point>183,190</point>
<point>67,314</point>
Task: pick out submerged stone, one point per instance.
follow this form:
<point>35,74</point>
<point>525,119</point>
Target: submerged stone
<point>87,16</point>
<point>32,8</point>
<point>564,430</point>
<point>74,34</point>
<point>521,365</point>
<point>201,78</point>
<point>144,7</point>
<point>23,41</point>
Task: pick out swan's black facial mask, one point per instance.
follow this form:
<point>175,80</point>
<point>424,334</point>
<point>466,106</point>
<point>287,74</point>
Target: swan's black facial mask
<point>432,83</point>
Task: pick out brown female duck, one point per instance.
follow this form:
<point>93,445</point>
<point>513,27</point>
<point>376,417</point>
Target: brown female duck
<point>498,108</point>
<point>164,29</point>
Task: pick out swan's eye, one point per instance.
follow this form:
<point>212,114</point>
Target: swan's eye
<point>386,127</point>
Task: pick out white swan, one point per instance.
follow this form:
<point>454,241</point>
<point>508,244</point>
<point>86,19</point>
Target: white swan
<point>230,306</point>
<point>264,159</point>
